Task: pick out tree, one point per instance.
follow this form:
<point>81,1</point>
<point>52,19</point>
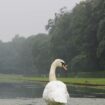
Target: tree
<point>41,53</point>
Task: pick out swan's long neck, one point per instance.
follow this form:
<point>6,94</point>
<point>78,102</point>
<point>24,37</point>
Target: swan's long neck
<point>52,75</point>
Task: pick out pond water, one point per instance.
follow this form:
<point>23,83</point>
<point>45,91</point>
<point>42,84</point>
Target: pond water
<point>31,93</point>
<point>35,90</point>
<point>27,90</point>
<point>40,101</point>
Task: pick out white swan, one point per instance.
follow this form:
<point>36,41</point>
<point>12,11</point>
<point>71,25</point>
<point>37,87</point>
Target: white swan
<point>55,92</point>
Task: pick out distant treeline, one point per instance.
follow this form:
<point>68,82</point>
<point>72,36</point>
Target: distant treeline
<point>77,36</point>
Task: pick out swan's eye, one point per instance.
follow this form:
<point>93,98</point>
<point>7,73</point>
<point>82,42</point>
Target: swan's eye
<point>62,63</point>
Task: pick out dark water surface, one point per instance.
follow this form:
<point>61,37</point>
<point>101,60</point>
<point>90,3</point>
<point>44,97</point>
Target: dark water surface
<point>15,90</point>
<point>35,90</point>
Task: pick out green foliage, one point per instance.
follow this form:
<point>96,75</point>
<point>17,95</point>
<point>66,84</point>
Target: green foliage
<point>41,53</point>
<point>29,56</point>
<point>77,36</point>
<point>101,30</point>
<point>78,62</point>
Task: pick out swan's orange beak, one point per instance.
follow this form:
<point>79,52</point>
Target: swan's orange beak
<point>65,67</point>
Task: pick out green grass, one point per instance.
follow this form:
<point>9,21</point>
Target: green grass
<point>9,78</point>
<point>86,81</point>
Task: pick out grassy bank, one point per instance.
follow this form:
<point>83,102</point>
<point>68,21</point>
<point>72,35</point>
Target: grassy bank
<point>85,81</point>
<point>81,81</point>
<point>6,78</point>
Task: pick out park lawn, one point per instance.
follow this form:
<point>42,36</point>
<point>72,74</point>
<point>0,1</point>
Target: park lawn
<point>69,80</point>
<point>85,81</point>
<point>11,78</point>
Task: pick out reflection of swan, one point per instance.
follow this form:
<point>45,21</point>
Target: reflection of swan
<point>55,92</point>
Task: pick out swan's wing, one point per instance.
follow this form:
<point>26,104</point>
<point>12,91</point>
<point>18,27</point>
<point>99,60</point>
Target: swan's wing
<point>56,91</point>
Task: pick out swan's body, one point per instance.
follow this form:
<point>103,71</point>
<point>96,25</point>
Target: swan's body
<point>55,92</point>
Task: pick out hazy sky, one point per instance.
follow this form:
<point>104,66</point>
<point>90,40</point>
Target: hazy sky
<point>27,17</point>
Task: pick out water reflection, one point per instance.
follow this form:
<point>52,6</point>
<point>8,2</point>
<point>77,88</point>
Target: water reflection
<point>34,90</point>
<point>11,90</point>
<point>87,91</point>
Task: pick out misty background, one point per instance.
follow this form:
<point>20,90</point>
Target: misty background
<point>38,36</point>
<point>28,17</point>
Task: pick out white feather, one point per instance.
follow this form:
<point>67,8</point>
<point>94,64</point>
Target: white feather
<point>55,92</point>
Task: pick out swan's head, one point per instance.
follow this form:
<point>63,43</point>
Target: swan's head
<point>60,63</point>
